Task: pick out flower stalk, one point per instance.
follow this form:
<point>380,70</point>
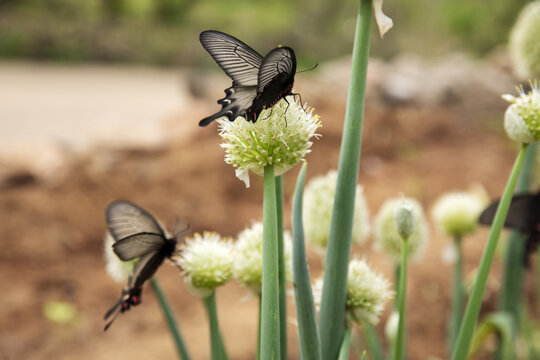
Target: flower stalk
<point>270,318</point>
<point>332,311</point>
<point>399,350</point>
<point>169,318</point>
<point>459,294</point>
<point>475,301</point>
<point>282,270</point>
<point>216,342</point>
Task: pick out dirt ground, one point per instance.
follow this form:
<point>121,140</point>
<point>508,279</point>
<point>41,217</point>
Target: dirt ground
<point>52,232</point>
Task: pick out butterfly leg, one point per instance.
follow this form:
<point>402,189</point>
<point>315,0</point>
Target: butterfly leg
<point>300,97</point>
<point>271,109</point>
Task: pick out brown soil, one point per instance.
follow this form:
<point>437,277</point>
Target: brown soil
<point>52,233</point>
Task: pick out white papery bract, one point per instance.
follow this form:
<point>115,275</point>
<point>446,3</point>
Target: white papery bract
<point>280,137</point>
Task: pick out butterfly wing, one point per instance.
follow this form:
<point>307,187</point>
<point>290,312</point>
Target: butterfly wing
<point>241,63</point>
<point>523,214</point>
<point>126,219</point>
<point>279,61</point>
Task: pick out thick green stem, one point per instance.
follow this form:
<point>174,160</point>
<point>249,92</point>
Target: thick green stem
<point>399,350</point>
<point>372,341</point>
<point>282,271</point>
<point>332,312</point>
<point>475,301</point>
<point>259,329</point>
<point>270,338</point>
<point>345,345</point>
<point>169,318</point>
<point>459,294</point>
<point>216,342</point>
<point>308,334</point>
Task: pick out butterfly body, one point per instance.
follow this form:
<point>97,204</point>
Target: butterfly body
<point>258,82</point>
<point>138,236</point>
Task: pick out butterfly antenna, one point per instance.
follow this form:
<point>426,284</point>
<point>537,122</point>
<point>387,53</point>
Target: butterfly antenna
<point>313,68</point>
<point>182,231</point>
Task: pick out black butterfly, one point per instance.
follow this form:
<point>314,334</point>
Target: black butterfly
<point>258,83</point>
<point>139,236</point>
<point>523,215</point>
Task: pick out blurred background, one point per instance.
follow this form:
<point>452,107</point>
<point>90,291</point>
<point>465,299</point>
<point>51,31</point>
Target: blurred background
<point>100,100</point>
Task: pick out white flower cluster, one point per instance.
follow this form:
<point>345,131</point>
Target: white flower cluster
<point>247,267</point>
<point>522,118</point>
<point>206,262</point>
<point>280,137</point>
<point>318,205</point>
<point>456,213</point>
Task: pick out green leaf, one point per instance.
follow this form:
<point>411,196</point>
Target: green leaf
<point>500,324</point>
<point>308,334</point>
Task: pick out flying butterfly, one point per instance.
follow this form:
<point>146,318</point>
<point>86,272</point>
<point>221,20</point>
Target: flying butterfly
<point>523,215</point>
<point>137,236</point>
<point>258,82</point>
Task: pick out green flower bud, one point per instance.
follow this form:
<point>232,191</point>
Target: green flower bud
<point>522,118</point>
<point>318,205</point>
<point>280,137</point>
<point>247,265</point>
<point>524,45</point>
<point>206,262</point>
<point>456,213</point>
<point>388,239</point>
<point>404,218</point>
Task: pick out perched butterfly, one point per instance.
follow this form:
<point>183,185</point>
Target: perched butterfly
<point>138,236</point>
<point>523,215</point>
<point>258,82</point>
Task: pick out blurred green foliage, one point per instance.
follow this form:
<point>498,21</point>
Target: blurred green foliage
<point>166,31</point>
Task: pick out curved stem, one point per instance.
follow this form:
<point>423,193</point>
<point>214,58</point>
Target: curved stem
<point>475,301</point>
<point>169,318</point>
<point>345,345</point>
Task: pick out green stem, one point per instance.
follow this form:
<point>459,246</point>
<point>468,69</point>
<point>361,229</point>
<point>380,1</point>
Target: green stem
<point>216,342</point>
<point>475,301</point>
<point>171,322</point>
<point>373,343</point>
<point>308,334</point>
<point>512,282</point>
<point>282,270</point>
<point>459,294</point>
<point>332,312</point>
<point>399,351</point>
<point>270,338</point>
<point>345,345</point>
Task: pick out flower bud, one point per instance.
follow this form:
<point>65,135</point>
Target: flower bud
<point>522,118</point>
<point>404,219</point>
<point>388,239</point>
<point>524,45</point>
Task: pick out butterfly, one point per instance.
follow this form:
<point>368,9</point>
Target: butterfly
<point>258,82</point>
<point>138,236</point>
<point>523,215</point>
